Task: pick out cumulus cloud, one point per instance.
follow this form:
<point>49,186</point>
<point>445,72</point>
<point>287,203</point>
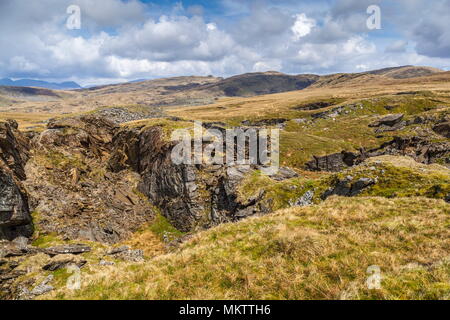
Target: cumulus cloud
<point>127,40</point>
<point>397,46</point>
<point>302,26</point>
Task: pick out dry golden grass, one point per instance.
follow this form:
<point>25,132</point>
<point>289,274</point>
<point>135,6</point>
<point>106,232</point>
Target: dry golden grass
<point>27,121</point>
<point>151,244</point>
<point>319,252</point>
<point>281,104</point>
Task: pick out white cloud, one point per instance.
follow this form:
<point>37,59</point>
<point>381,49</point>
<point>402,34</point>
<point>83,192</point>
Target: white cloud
<point>397,46</point>
<point>302,26</point>
<point>124,40</point>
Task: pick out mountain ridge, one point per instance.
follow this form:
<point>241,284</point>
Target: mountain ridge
<point>67,85</point>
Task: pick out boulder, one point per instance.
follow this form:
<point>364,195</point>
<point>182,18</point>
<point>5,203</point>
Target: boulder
<point>334,162</point>
<point>68,249</point>
<point>15,219</point>
<point>91,134</point>
<point>284,173</point>
<point>443,129</point>
<point>348,188</point>
<point>43,287</point>
<point>62,261</point>
<point>389,120</point>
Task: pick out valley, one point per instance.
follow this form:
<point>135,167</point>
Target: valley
<point>87,180</point>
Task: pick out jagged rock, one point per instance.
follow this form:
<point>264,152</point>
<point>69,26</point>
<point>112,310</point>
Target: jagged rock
<point>15,219</point>
<point>189,196</point>
<point>21,242</point>
<point>14,149</point>
<point>389,120</point>
<point>333,162</point>
<point>130,255</point>
<point>117,250</point>
<point>61,261</point>
<point>305,200</point>
<point>284,174</point>
<point>43,287</point>
<point>315,105</point>
<point>80,198</point>
<point>347,188</point>
<point>385,128</point>
<point>11,275</point>
<point>68,249</point>
<point>333,113</point>
<point>300,120</point>
<point>443,129</point>
<point>106,263</point>
<point>89,133</point>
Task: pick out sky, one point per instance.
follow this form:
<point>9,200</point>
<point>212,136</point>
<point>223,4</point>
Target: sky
<point>122,40</point>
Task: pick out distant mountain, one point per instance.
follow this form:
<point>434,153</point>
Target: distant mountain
<point>251,84</point>
<point>406,72</point>
<point>40,84</point>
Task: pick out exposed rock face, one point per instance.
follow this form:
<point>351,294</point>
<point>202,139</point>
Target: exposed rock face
<point>189,196</point>
<point>14,148</point>
<point>348,188</point>
<point>392,122</point>
<point>443,129</point>
<point>418,148</point>
<point>87,134</point>
<point>333,162</point>
<point>15,219</point>
<point>265,122</point>
<point>305,200</point>
<point>389,121</point>
<point>71,189</point>
<point>121,115</point>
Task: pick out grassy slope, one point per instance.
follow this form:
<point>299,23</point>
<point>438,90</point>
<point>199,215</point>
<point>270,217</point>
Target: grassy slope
<point>394,176</point>
<point>349,131</point>
<point>319,252</point>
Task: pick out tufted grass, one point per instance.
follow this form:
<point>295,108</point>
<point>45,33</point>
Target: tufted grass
<point>318,252</point>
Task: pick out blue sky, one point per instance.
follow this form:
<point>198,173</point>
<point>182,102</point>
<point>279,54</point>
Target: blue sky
<point>126,40</point>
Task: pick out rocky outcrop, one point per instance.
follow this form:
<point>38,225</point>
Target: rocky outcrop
<point>89,134</point>
<point>443,129</point>
<point>348,187</point>
<point>265,122</point>
<point>334,162</point>
<point>15,219</point>
<point>420,149</point>
<point>71,190</point>
<point>389,121</point>
<point>392,122</point>
<point>190,196</point>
